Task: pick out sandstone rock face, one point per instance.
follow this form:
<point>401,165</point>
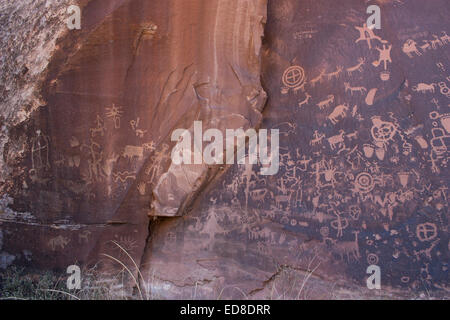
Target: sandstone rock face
<point>363,118</point>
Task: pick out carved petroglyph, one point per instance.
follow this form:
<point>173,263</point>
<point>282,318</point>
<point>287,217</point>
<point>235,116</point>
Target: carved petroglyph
<point>371,96</point>
<point>436,42</point>
<point>426,231</point>
<point>338,113</point>
<point>385,56</point>
<point>326,103</point>
<point>424,88</point>
<point>337,140</point>
<point>317,138</point>
<point>318,79</point>
<point>366,34</point>
<point>115,113</point>
<point>359,67</point>
<point>335,74</point>
<point>347,248</point>
<point>59,242</point>
<point>124,176</point>
<point>99,129</point>
<point>84,236</point>
<point>40,148</point>
<point>382,131</point>
<point>293,78</point>
<point>135,126</point>
<point>95,171</point>
<point>132,152</point>
<point>410,48</point>
<point>444,89</point>
<point>306,101</point>
<point>361,90</point>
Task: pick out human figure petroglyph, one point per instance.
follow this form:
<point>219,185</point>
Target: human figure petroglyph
<point>326,103</point>
<point>135,126</point>
<point>385,56</point>
<point>424,88</point>
<point>317,138</point>
<point>156,166</point>
<point>303,163</point>
<point>246,179</point>
<point>115,113</point>
<point>410,47</point>
<point>96,158</point>
<point>149,146</point>
<point>426,231</point>
<point>361,90</point>
<point>339,223</point>
<point>366,34</point>
<point>358,67</point>
<point>40,148</point>
<point>306,101</point>
<point>426,252</point>
<point>339,112</point>
<point>100,129</point>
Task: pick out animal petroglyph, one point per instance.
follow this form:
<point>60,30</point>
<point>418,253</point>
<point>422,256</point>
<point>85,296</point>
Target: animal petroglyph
<point>318,79</point>
<point>132,152</point>
<point>326,103</point>
<point>358,67</point>
<point>306,101</point>
<point>361,90</point>
<point>424,88</point>
<point>58,242</point>
<point>339,112</point>
<point>317,138</point>
<point>410,48</point>
<point>337,140</point>
<point>347,248</point>
<point>335,74</point>
<point>436,42</point>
